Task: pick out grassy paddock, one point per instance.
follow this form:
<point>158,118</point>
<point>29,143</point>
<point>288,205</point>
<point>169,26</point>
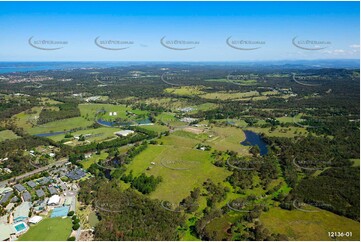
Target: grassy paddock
<point>7,135</point>
<point>177,184</point>
<point>49,229</point>
<point>300,225</point>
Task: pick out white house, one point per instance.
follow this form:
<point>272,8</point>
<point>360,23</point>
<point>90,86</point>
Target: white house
<point>35,219</point>
<point>54,200</point>
<point>124,133</point>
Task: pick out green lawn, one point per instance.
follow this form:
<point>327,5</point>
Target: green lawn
<point>61,125</point>
<point>227,138</point>
<point>7,135</point>
<point>170,162</point>
<point>93,159</point>
<point>356,162</point>
<point>157,128</point>
<point>27,119</point>
<point>300,225</point>
<point>185,90</point>
<point>90,110</point>
<point>49,229</point>
<point>99,134</point>
<point>281,132</point>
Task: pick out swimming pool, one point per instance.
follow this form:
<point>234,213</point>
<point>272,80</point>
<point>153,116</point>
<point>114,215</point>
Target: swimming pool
<point>60,212</point>
<point>20,227</point>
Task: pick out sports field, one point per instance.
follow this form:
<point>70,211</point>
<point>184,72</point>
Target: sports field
<point>49,229</point>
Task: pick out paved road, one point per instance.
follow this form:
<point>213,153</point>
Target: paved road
<point>33,172</point>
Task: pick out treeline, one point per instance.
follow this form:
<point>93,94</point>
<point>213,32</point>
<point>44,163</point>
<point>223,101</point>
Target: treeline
<point>111,143</point>
<point>66,110</point>
<point>144,184</point>
<point>336,190</point>
<point>126,215</point>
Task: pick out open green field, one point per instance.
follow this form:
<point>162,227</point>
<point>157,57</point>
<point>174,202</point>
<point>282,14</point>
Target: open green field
<point>227,138</point>
<point>49,229</point>
<point>229,95</point>
<point>238,82</point>
<point>280,132</point>
<point>182,169</point>
<point>98,134</point>
<point>7,135</point>
<point>157,128</point>
<point>300,225</point>
<point>90,110</point>
<point>356,162</point>
<point>185,90</point>
<point>181,139</point>
<point>290,119</point>
<point>61,125</point>
<point>93,159</point>
<point>169,103</point>
<point>48,101</point>
<point>27,119</point>
<point>219,226</point>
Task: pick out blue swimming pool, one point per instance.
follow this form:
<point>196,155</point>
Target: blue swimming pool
<point>20,227</point>
<point>60,212</point>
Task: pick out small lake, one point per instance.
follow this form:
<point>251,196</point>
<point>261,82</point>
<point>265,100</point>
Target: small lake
<point>253,139</point>
<point>50,134</point>
<point>119,124</point>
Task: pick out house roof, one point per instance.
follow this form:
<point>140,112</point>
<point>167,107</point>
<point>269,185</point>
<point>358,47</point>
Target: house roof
<point>44,180</point>
<point>19,187</point>
<point>52,190</point>
<point>35,219</point>
<point>26,196</point>
<point>22,211</point>
<point>40,193</point>
<point>5,231</point>
<point>5,197</point>
<point>31,184</point>
<point>76,174</point>
<point>4,190</point>
<point>55,199</point>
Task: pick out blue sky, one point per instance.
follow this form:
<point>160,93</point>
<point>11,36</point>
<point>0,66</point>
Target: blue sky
<point>256,30</point>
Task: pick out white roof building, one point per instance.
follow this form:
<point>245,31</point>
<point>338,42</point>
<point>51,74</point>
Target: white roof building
<point>124,132</point>
<point>35,219</point>
<point>54,200</point>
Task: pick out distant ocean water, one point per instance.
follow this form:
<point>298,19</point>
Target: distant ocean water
<point>11,67</point>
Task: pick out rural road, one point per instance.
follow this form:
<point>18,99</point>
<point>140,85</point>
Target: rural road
<point>33,172</point>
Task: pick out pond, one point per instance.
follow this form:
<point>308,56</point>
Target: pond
<point>50,134</point>
<point>253,139</point>
<point>119,124</point>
